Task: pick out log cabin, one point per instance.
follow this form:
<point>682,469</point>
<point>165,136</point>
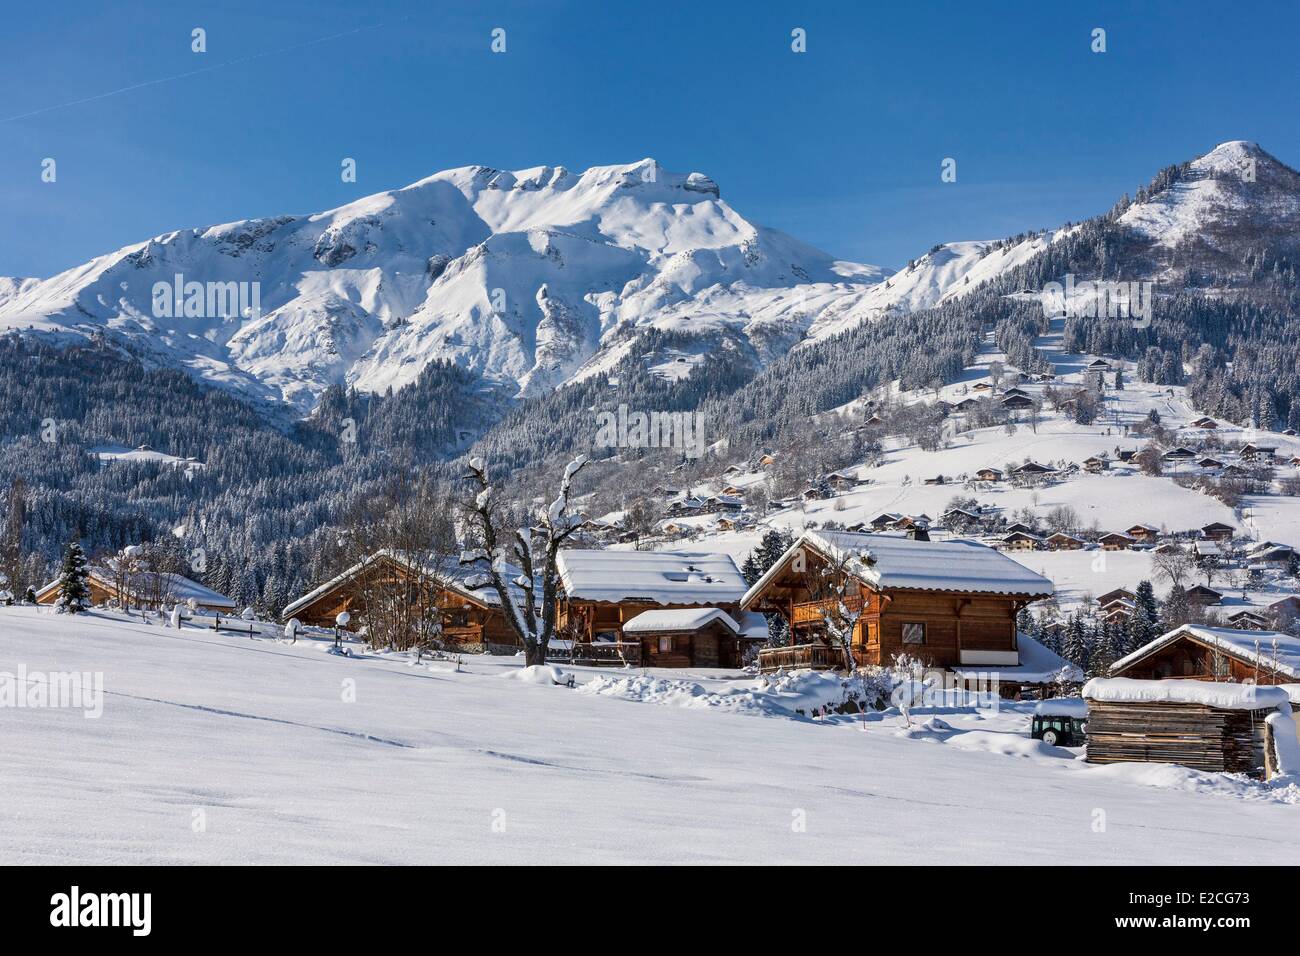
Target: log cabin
<point>471,610</point>
<point>950,604</point>
<point>1198,652</point>
<point>144,589</point>
<point>601,591</point>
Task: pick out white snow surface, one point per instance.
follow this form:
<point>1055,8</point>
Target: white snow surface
<point>1227,696</point>
<point>260,736</point>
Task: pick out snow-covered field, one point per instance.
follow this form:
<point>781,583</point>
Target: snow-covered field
<point>226,749</point>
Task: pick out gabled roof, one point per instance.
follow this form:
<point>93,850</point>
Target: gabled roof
<point>142,583</point>
<point>1231,641</point>
<point>661,577</point>
<point>888,563</point>
<point>459,579</point>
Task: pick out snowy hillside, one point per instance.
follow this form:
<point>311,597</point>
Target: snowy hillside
<point>1233,197</point>
<point>1121,496</point>
<point>225,749</point>
<point>520,276</point>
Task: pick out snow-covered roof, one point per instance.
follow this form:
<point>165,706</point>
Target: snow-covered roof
<point>679,619</point>
<point>660,577</point>
<point>1062,707</point>
<point>177,587</point>
<point>1226,696</point>
<point>752,625</point>
<point>890,563</point>
<point>465,580</point>
<point>1038,665</point>
<point>1230,640</point>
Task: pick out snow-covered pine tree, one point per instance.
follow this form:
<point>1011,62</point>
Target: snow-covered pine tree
<point>74,587</point>
<point>1144,626</point>
<point>1075,648</point>
<point>766,553</point>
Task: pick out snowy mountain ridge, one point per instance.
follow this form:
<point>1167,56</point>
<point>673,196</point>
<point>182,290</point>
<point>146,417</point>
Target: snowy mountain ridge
<point>536,278</point>
<point>522,277</point>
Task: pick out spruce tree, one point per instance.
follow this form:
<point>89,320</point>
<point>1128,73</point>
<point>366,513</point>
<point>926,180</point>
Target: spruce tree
<point>74,589</point>
<point>1075,648</point>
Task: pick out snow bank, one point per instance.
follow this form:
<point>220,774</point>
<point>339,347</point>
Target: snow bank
<point>545,674</point>
<point>1226,696</point>
<point>801,692</point>
<point>1286,745</point>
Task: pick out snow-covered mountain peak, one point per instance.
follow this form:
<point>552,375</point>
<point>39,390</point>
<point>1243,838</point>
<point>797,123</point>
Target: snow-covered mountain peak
<point>522,276</point>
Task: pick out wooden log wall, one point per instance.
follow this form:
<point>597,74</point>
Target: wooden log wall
<point>1193,735</point>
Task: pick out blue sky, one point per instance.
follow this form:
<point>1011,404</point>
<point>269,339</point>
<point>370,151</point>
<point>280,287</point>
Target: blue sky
<point>840,146</point>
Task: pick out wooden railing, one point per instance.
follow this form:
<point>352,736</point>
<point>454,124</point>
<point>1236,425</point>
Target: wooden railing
<point>811,611</point>
<point>818,657</point>
<point>599,653</point>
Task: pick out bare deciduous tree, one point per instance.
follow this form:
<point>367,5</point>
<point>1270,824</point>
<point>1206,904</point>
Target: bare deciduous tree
<point>533,625</point>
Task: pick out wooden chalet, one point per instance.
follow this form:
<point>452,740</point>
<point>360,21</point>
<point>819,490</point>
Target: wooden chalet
<point>1143,533</point>
<point>601,591</point>
<point>1033,468</point>
<point>1199,652</point>
<point>988,474</point>
<point>471,610</point>
<point>144,589</point>
<point>1060,541</point>
<point>1116,541</point>
<point>950,604</point>
<point>1208,424</point>
<point>1247,620</point>
<point>1203,596</point>
<point>1096,464</point>
<point>1115,594</point>
<point>1213,727</point>
<point>1178,454</point>
<point>1209,463</point>
<point>1017,402</point>
<point>1021,541</point>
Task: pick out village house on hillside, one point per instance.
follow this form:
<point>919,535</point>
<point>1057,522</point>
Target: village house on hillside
<point>143,589</point>
<point>949,604</point>
<point>603,591</point>
<point>471,610</point>
<point>1060,541</point>
<point>1115,541</point>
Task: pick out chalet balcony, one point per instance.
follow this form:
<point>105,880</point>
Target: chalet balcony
<point>810,612</point>
<point>597,654</point>
<point>818,657</point>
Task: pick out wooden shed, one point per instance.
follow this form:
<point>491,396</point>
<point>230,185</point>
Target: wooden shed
<point>1214,727</point>
<point>690,637</point>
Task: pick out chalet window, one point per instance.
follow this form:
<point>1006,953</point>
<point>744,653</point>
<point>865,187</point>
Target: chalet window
<point>913,633</point>
<point>456,619</point>
<point>665,645</point>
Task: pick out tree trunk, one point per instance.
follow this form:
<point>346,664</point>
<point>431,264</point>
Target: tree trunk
<point>534,654</point>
